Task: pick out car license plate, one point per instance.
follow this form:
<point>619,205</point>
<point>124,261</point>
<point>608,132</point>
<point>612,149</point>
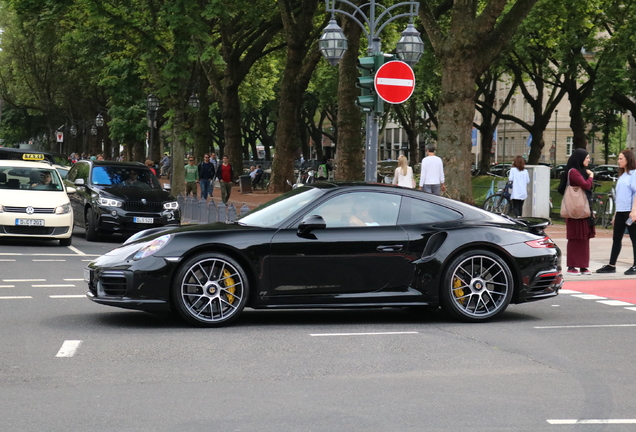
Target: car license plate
<point>29,222</point>
<point>144,220</point>
<point>87,275</point>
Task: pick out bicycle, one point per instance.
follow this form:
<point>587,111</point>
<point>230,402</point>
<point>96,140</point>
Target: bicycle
<point>603,205</point>
<point>495,201</point>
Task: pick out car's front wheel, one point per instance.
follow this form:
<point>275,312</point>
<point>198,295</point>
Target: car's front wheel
<point>477,286</point>
<point>92,234</point>
<point>211,290</point>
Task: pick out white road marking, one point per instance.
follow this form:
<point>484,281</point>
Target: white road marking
<point>23,280</point>
<point>87,260</point>
<point>586,326</point>
<point>69,347</point>
<point>67,296</point>
<point>589,296</point>
<point>631,308</point>
<point>7,286</point>
<point>615,303</point>
<point>362,334</point>
<point>50,254</point>
<point>52,285</point>
<point>591,421</point>
<point>76,250</point>
<point>48,260</point>
<point>14,297</point>
<point>7,260</point>
<point>73,280</point>
<point>566,291</point>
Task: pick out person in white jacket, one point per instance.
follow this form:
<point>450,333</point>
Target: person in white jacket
<point>403,174</point>
<point>520,179</point>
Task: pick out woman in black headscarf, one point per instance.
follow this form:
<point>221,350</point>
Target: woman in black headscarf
<point>578,231</point>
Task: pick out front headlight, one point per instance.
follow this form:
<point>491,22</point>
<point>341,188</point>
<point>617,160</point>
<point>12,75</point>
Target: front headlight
<point>63,209</point>
<point>171,205</point>
<point>152,247</point>
<point>109,202</point>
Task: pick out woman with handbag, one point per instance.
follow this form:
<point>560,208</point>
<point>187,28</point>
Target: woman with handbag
<point>579,231</point>
<point>625,211</point>
<point>519,178</point>
<point>404,174</point>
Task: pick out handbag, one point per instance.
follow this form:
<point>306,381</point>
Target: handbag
<point>575,204</point>
<point>507,190</point>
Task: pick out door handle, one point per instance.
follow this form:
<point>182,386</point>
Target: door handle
<point>389,248</point>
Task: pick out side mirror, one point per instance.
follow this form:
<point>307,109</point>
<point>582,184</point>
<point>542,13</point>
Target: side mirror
<point>70,190</point>
<point>310,223</point>
<point>79,182</point>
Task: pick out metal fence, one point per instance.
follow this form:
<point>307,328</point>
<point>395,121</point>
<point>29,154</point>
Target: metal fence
<point>199,211</point>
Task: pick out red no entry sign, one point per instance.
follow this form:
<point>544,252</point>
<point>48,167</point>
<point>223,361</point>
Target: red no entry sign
<point>395,82</point>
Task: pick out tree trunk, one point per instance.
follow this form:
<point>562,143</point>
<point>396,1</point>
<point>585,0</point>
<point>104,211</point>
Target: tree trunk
<point>177,180</point>
<point>231,113</point>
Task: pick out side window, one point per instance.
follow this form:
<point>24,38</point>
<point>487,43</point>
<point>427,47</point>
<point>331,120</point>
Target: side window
<point>416,211</point>
<point>72,173</point>
<point>83,172</point>
<point>360,209</point>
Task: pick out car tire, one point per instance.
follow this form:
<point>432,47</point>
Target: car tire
<point>66,241</point>
<point>210,290</point>
<point>92,233</point>
<point>477,286</point>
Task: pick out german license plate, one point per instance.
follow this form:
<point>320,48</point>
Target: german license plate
<point>29,222</point>
<point>87,275</point>
<point>144,220</point>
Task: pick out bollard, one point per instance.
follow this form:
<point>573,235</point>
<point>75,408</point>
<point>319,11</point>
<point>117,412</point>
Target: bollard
<point>244,209</point>
<point>203,211</point>
<point>221,214</point>
<point>231,213</point>
<point>195,211</point>
<point>212,212</point>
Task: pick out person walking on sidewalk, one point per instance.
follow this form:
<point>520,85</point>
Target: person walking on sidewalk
<point>225,174</point>
<point>625,211</point>
<point>432,174</point>
<point>207,173</point>
<point>578,231</point>
<point>520,179</point>
<point>191,177</point>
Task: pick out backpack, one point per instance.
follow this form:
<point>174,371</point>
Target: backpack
<point>322,171</point>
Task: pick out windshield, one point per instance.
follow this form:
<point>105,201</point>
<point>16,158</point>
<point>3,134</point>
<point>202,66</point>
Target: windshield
<point>272,213</point>
<point>30,179</point>
<point>124,176</point>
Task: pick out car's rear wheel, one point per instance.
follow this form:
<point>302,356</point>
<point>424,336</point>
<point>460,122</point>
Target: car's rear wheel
<point>92,234</point>
<point>211,290</point>
<point>477,286</point>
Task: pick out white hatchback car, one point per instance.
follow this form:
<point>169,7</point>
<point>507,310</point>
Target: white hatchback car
<point>33,202</point>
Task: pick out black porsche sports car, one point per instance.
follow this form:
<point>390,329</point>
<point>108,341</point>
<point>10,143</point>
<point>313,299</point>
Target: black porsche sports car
<point>334,245</point>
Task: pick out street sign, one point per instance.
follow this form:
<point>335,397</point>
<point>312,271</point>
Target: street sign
<point>60,136</point>
<point>395,82</point>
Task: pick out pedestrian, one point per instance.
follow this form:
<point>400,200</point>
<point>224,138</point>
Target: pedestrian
<point>432,175</point>
<point>214,160</point>
<point>165,166</point>
<point>578,231</point>
<point>519,177</point>
<point>225,174</point>
<point>151,166</point>
<point>323,169</point>
<point>625,211</point>
<point>206,177</point>
<point>191,177</point>
<point>404,174</point>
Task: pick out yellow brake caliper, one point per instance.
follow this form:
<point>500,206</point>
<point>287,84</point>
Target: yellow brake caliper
<point>229,282</point>
<point>458,290</point>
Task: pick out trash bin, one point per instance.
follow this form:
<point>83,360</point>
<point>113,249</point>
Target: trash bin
<point>245,182</point>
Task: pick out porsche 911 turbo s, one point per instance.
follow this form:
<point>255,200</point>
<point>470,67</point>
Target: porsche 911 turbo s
<point>334,245</point>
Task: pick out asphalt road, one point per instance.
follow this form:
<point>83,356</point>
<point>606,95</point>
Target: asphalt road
<point>66,364</point>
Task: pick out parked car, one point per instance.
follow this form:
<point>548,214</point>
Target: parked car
<point>119,197</point>
<point>557,171</point>
<point>34,202</point>
<point>330,245</point>
<point>605,172</point>
<point>501,169</point>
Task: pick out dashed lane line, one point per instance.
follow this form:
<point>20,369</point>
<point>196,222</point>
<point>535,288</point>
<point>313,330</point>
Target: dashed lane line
<point>23,280</point>
<point>363,334</point>
<point>591,421</point>
<point>69,348</point>
<point>67,296</point>
<point>48,260</point>
<point>53,286</point>
<point>15,297</point>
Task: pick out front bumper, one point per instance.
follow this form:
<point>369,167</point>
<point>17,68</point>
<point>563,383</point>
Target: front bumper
<point>55,226</point>
<point>118,220</point>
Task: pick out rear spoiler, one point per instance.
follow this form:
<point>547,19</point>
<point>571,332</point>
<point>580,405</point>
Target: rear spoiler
<point>536,224</point>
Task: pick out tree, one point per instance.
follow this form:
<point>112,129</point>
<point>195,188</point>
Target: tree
<point>466,40</point>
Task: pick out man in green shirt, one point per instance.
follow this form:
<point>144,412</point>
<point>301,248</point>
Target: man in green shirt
<point>191,177</point>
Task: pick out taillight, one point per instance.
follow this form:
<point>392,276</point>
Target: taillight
<point>545,242</point>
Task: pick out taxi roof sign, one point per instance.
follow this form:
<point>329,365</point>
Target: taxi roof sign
<point>33,157</point>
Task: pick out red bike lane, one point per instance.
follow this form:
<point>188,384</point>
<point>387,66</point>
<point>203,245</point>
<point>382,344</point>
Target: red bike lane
<point>620,289</point>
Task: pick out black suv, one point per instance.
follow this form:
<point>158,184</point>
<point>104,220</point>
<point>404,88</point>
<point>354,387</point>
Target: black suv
<point>119,197</point>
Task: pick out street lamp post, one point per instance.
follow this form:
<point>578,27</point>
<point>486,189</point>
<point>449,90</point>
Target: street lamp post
<point>152,104</point>
<point>333,44</point>
<point>556,120</point>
